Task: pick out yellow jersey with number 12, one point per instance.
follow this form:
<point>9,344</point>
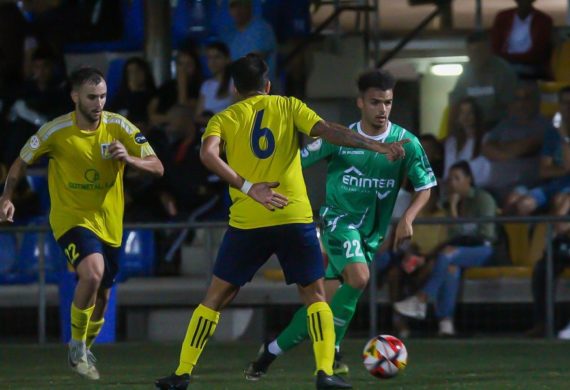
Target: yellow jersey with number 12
<point>262,145</point>
<point>85,184</point>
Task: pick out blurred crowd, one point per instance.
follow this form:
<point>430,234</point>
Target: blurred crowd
<point>499,150</point>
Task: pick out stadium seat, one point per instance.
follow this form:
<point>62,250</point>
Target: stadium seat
<point>114,77</point>
<point>55,262</point>
<point>549,97</point>
<point>561,63</point>
<point>8,259</point>
<point>39,185</point>
<point>137,256</point>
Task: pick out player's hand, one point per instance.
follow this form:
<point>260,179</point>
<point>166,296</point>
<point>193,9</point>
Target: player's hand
<point>263,193</point>
<point>118,151</point>
<point>394,150</point>
<point>404,232</point>
<point>6,210</point>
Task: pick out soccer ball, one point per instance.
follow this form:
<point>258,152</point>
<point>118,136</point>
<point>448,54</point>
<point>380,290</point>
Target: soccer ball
<point>384,356</point>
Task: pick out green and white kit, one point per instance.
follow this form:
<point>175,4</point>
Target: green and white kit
<point>362,187</point>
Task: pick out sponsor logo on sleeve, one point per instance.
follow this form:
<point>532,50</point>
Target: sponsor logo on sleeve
<point>314,146</point>
<point>140,139</point>
<point>34,142</point>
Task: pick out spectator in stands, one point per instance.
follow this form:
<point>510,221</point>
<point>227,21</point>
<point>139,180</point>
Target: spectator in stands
<point>186,183</point>
<point>184,90</point>
<point>513,145</point>
<point>435,153</point>
<point>251,34</point>
<point>464,142</point>
<point>42,98</point>
<point>469,245</point>
<point>554,167</point>
<point>135,92</point>
<point>216,93</point>
<point>486,78</point>
<point>6,99</point>
<point>523,37</point>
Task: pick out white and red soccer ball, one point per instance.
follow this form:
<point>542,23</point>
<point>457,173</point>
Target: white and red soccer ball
<point>384,356</point>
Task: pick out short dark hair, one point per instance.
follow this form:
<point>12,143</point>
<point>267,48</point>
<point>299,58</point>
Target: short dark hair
<point>464,167</point>
<point>376,78</point>
<point>563,91</point>
<point>249,73</point>
<point>85,74</point>
<point>477,36</point>
<point>43,53</point>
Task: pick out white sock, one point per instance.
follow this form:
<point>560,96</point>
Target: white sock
<point>274,348</point>
<point>337,348</point>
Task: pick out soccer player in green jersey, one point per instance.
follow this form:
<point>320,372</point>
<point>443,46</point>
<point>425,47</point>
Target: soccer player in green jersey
<point>362,187</point>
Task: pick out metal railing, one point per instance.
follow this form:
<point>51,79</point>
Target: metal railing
<point>42,230</point>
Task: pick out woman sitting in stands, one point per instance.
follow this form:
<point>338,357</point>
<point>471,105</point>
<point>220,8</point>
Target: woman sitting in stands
<point>216,92</point>
<point>469,245</point>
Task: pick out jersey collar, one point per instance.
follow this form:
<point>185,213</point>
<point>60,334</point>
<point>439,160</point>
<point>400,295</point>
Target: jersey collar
<point>380,137</point>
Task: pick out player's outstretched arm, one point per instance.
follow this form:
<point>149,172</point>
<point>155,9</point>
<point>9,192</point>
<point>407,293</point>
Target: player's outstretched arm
<point>339,135</point>
<point>404,230</point>
<point>15,173</point>
<point>260,192</point>
<point>149,164</point>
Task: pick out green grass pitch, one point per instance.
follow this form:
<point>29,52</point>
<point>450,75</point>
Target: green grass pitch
<point>433,364</point>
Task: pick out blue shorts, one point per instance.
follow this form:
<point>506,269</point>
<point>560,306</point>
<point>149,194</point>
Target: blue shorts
<point>244,251</point>
<point>543,195</point>
<point>79,242</point>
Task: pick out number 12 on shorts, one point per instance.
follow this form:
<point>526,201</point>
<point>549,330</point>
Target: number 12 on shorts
<point>352,248</point>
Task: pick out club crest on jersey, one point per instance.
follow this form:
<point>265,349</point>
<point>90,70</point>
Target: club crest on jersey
<point>105,151</point>
<point>34,142</point>
<point>140,139</point>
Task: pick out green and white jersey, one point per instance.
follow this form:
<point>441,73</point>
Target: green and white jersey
<point>362,186</point>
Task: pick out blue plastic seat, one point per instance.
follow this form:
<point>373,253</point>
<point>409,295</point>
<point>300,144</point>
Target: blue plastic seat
<point>39,185</point>
<point>137,256</point>
<point>114,77</point>
<point>8,259</point>
<point>55,262</point>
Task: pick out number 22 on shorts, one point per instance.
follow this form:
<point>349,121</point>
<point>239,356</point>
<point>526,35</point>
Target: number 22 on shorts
<point>348,245</point>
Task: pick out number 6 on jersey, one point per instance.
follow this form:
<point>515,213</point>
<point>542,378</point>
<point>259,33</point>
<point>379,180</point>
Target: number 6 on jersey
<point>262,139</point>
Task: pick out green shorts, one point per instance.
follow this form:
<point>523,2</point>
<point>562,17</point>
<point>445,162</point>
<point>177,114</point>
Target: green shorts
<point>344,246</point>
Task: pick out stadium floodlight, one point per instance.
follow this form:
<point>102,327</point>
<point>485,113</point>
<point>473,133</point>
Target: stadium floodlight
<point>447,69</point>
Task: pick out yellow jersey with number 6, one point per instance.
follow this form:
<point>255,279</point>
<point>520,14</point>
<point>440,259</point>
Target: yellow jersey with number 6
<point>85,183</point>
<point>262,145</point>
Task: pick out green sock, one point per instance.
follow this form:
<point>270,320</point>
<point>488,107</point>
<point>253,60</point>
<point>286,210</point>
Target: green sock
<point>295,332</point>
<point>343,306</point>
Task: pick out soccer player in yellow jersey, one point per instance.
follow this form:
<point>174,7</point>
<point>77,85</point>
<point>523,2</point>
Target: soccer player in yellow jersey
<point>270,211</point>
<point>88,150</point>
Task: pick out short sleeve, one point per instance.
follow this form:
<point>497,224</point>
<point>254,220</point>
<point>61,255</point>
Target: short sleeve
<point>316,151</point>
<point>135,142</point>
<point>419,169</point>
<point>37,145</point>
<point>214,128</point>
<point>303,117</point>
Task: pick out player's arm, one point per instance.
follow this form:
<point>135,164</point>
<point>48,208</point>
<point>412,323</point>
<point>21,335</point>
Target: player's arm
<point>150,164</point>
<point>404,230</point>
<point>15,173</point>
<point>260,192</point>
<point>343,136</point>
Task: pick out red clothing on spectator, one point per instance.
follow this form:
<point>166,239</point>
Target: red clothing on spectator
<point>541,35</point>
